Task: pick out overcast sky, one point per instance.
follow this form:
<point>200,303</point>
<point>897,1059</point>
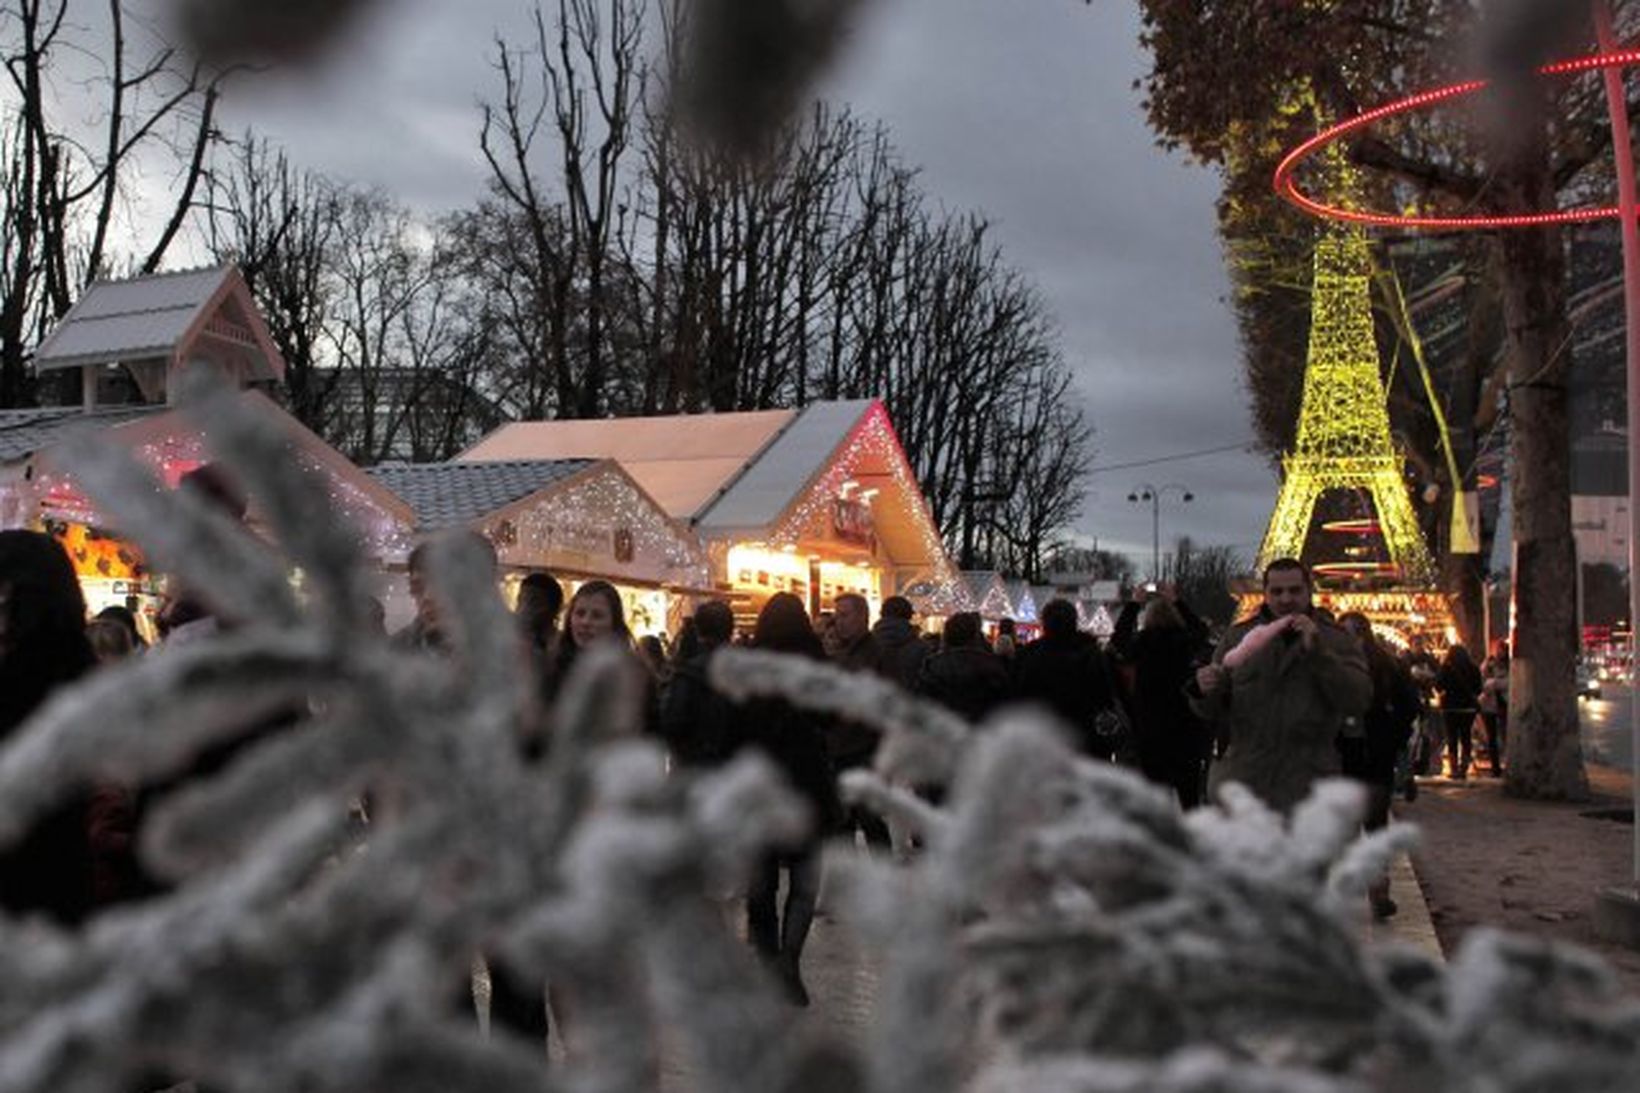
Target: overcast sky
<point>1022,109</point>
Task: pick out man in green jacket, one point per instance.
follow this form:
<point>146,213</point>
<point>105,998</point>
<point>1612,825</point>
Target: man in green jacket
<point>1282,687</point>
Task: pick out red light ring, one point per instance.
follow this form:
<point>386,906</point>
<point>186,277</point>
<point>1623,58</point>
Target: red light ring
<point>1287,186</point>
<point>1352,527</point>
<point>1353,569</point>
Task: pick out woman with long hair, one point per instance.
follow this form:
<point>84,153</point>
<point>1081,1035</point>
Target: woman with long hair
<point>795,740</point>
<point>43,646</point>
<point>594,615</point>
<point>1459,682</point>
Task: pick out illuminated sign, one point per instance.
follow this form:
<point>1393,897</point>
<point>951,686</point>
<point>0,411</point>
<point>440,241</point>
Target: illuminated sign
<point>851,521</point>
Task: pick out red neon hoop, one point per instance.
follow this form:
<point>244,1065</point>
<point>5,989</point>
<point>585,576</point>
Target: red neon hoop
<point>1352,527</point>
<point>1287,186</point>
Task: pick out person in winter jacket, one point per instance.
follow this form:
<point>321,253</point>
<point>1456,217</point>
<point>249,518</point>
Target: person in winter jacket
<point>852,746</point>
<point>696,721</point>
<point>1371,757</point>
<point>794,740</point>
<point>964,676</point>
<point>1459,683</point>
<point>1162,656</point>
<point>1280,688</point>
<point>43,646</point>
<point>1066,671</point>
<point>901,650</point>
<point>1494,703</point>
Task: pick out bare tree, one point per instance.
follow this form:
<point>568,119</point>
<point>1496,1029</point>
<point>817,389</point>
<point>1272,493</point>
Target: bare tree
<point>279,224</point>
<point>587,67</point>
<point>1203,575</point>
<point>69,158</point>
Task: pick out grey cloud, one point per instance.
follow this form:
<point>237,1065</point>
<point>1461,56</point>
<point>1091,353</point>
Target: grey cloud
<point>1022,110</point>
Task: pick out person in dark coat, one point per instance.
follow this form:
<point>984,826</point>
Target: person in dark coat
<point>695,720</point>
<point>1459,683</point>
<point>1371,758</point>
<point>43,647</point>
<point>1065,670</point>
<point>795,741</point>
<point>1163,652</point>
<point>900,647</point>
<point>852,745</point>
<point>965,676</point>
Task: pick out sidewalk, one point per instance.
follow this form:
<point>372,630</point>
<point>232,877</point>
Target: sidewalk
<point>1531,867</point>
<point>1411,924</point>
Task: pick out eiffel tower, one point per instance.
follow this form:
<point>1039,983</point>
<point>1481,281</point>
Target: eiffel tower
<point>1343,429</point>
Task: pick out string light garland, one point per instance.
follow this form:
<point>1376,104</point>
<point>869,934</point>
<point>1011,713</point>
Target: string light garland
<point>1286,182</point>
<point>603,513</point>
<point>873,444</point>
<point>1394,614</point>
<point>1025,609</point>
<point>170,456</point>
<point>987,588</point>
<point>1095,620</point>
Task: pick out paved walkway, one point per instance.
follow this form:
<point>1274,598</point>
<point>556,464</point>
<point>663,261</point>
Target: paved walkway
<point>1411,924</point>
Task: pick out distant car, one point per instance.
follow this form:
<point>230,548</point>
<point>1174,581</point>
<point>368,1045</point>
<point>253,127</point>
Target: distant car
<point>1588,684</point>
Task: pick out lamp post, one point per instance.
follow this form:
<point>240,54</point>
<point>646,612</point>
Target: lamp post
<point>1144,491</point>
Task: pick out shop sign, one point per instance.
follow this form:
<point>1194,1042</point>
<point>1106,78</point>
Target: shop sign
<point>586,538</point>
<point>851,521</point>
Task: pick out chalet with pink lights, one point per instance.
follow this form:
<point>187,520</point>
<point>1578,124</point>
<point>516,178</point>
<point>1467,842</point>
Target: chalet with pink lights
<point>816,502</point>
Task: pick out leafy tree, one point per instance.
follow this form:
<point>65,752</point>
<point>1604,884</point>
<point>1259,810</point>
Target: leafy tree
<point>1236,84</point>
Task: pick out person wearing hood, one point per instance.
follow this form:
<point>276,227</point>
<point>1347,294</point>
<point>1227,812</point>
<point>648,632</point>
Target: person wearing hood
<point>900,648</point>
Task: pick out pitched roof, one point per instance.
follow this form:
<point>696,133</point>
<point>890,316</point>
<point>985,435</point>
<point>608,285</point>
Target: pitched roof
<point>682,461</point>
<point>453,494</point>
<point>159,316</point>
<point>792,459</point>
<point>754,474</point>
<point>130,320</point>
<point>24,432</point>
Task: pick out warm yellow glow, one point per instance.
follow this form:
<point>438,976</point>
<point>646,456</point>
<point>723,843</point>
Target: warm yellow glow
<point>839,577</point>
<point>754,567</point>
<point>1343,430</point>
<point>646,610</point>
<point>761,571</point>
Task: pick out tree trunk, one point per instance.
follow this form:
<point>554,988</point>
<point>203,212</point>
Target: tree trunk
<point>1545,754</point>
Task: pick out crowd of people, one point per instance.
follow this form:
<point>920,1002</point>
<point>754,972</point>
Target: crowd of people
<point>1283,697</point>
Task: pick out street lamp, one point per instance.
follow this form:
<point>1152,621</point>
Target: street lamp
<point>1144,491</point>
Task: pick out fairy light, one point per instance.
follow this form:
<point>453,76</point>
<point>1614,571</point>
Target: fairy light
<point>873,444</point>
<point>993,599</point>
<point>1095,620</point>
<point>1343,432</point>
<point>1025,610</point>
<point>1286,182</point>
<point>589,518</point>
<point>384,535</point>
<point>1395,614</point>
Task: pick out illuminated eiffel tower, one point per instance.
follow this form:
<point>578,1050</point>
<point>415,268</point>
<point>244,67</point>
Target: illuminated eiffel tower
<point>1343,430</point>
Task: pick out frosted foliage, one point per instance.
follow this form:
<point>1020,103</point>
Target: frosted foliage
<point>1066,929</point>
<point>1061,927</point>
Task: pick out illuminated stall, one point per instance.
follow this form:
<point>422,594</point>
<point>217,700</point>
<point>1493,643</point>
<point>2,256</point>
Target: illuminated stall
<point>989,594</point>
<point>1027,620</point>
<point>128,340</point>
<point>37,490</point>
<point>816,502</point>
<point>577,519</point>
